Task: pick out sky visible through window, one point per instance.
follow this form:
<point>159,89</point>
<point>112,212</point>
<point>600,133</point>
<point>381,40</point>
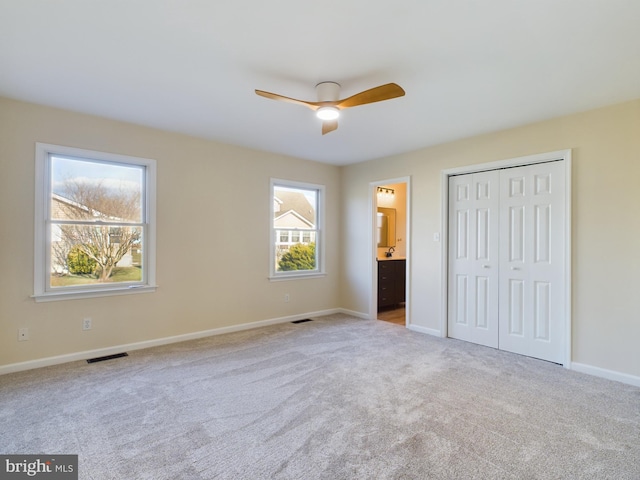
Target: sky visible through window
<point>110,175</point>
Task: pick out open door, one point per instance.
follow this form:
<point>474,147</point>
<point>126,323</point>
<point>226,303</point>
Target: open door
<point>390,227</point>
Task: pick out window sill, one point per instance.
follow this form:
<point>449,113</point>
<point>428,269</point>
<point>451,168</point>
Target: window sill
<point>296,276</point>
<point>76,295</point>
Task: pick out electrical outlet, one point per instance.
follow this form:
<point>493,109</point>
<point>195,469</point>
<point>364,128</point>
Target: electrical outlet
<point>23,334</point>
<point>286,298</point>
<point>86,323</point>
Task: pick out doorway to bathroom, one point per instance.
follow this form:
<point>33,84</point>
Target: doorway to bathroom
<point>390,246</point>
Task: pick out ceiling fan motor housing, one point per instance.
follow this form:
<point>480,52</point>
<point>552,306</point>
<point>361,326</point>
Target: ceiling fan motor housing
<point>328,91</point>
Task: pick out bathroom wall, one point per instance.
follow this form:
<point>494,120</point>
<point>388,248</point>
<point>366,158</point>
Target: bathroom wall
<point>399,202</point>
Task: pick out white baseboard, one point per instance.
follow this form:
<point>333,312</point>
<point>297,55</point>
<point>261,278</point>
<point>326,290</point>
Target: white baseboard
<point>101,352</point>
<point>428,331</point>
<point>353,313</point>
<point>608,374</point>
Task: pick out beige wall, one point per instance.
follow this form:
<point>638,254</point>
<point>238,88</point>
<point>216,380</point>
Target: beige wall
<point>605,147</point>
<point>212,270</point>
<point>212,238</point>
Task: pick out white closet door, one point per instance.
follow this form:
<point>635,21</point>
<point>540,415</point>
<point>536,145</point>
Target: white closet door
<point>474,258</point>
<point>532,276</point>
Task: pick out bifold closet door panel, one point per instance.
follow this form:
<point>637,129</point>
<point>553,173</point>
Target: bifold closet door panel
<point>532,260</point>
<point>474,257</point>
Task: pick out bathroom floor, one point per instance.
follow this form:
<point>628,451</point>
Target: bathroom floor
<point>395,314</point>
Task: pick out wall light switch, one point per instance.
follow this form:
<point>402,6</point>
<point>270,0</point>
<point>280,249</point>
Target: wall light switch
<point>436,237</point>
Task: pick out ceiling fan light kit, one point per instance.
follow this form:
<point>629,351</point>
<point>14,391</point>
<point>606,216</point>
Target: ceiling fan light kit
<point>328,113</point>
<point>328,106</point>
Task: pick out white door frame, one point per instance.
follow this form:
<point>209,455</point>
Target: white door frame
<point>564,155</point>
<point>373,297</point>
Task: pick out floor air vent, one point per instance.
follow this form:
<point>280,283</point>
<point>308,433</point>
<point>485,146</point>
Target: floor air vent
<point>302,321</point>
<point>108,357</point>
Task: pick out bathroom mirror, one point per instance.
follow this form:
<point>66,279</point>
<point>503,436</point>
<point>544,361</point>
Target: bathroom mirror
<point>386,227</point>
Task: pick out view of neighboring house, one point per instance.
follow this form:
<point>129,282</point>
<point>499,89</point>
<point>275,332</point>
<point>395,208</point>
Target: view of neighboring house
<point>294,218</point>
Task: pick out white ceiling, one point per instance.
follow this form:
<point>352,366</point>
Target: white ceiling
<point>191,66</point>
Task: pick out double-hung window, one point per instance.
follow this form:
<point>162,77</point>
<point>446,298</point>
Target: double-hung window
<point>95,223</point>
<point>297,242</point>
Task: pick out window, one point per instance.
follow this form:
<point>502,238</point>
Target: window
<point>95,223</point>
<point>296,229</point>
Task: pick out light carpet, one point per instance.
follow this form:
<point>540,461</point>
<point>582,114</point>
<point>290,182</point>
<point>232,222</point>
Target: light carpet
<point>336,398</point>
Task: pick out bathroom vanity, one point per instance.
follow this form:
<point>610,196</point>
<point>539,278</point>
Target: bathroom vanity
<point>391,281</point>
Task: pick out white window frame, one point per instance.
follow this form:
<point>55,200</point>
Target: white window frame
<point>319,271</point>
<point>42,244</point>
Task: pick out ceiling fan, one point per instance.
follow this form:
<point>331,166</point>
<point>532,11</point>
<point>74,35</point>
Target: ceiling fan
<point>328,106</point>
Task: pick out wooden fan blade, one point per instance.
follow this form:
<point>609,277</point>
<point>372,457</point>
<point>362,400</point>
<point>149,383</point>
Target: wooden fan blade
<point>275,96</point>
<point>376,94</point>
<point>329,126</point>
